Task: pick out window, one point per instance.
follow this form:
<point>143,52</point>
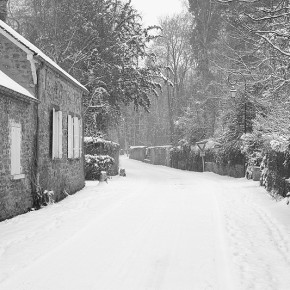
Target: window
<point>15,141</point>
<point>56,134</point>
<point>74,137</point>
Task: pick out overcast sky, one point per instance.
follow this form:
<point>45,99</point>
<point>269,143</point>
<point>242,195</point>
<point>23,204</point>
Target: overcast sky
<point>151,10</point>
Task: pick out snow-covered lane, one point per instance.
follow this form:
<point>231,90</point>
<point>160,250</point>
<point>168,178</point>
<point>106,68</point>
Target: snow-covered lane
<point>158,228</point>
<point>258,234</point>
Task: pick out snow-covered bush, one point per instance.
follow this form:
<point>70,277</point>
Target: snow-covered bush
<point>253,146</point>
<point>95,164</point>
<point>101,144</point>
<point>272,154</point>
<point>275,168</point>
<point>102,147</point>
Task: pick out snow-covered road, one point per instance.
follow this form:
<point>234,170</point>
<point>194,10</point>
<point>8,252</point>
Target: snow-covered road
<point>158,228</point>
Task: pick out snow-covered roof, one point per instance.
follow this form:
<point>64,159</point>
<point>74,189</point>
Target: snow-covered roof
<point>8,83</point>
<point>37,52</point>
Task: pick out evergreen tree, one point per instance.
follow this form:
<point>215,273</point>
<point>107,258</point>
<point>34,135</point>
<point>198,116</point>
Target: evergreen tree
<point>100,42</point>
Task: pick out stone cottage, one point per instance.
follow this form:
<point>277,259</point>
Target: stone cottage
<point>41,140</point>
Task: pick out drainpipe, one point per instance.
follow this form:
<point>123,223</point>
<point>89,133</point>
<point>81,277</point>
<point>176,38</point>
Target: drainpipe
<point>35,169</point>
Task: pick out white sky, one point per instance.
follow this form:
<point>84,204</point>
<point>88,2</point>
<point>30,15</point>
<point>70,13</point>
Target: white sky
<point>152,10</point>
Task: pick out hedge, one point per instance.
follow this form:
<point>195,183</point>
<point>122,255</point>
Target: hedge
<point>99,146</point>
<point>95,164</point>
<point>185,157</point>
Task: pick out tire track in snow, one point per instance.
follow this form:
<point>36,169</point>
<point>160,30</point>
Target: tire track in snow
<point>224,273</point>
<point>252,232</point>
<point>277,236</point>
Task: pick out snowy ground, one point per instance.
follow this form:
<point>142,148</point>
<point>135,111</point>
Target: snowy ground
<point>158,228</point>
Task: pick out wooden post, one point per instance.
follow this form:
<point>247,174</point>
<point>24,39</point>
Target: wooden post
<point>202,154</point>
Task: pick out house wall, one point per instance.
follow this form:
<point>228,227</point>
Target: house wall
<point>52,90</point>
<point>15,195</point>
<point>58,174</point>
<point>14,63</point>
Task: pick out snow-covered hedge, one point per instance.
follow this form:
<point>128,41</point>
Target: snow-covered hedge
<point>100,146</point>
<point>108,145</point>
<point>275,168</point>
<point>226,153</point>
<point>185,157</point>
<point>272,154</point>
<point>94,164</point>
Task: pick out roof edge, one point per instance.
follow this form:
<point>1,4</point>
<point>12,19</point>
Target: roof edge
<point>30,48</point>
<point>18,95</point>
<point>79,85</point>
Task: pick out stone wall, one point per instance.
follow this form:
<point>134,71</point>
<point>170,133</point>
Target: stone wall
<point>62,174</point>
<point>137,152</point>
<point>14,63</point>
<point>159,155</point>
<point>15,195</point>
<point>230,170</point>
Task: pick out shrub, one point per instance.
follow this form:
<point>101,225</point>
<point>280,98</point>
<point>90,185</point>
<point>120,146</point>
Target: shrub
<point>275,166</point>
<point>275,169</point>
<point>99,146</point>
<point>94,164</point>
<point>227,153</point>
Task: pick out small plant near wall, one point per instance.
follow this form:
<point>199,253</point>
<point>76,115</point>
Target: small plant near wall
<point>48,197</point>
<point>41,197</point>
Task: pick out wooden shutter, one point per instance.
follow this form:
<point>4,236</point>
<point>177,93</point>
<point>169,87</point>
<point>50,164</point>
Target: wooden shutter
<point>59,119</point>
<point>54,134</point>
<point>81,137</point>
<point>70,137</point>
<point>76,137</point>
<point>15,149</point>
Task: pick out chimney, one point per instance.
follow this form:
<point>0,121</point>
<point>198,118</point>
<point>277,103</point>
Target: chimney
<point>3,10</point>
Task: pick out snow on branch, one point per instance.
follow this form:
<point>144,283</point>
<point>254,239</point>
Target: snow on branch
<point>273,45</point>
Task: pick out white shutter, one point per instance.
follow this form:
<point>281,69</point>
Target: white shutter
<point>15,149</point>
<point>54,134</point>
<point>81,137</point>
<point>70,137</point>
<point>59,118</point>
<point>76,137</point>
